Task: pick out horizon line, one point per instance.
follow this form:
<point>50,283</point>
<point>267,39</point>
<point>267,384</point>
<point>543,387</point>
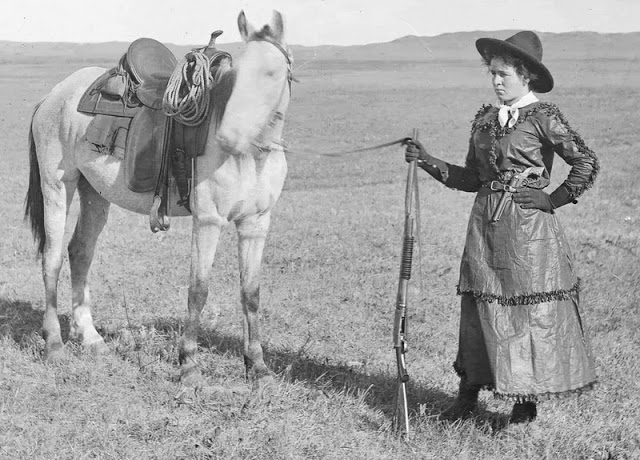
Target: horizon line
<point>325,44</point>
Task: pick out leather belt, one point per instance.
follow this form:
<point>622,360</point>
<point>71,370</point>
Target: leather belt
<point>498,186</point>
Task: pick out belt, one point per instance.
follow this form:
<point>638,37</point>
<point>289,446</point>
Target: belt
<point>497,186</point>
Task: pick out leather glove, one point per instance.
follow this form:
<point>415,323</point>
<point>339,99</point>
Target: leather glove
<point>438,169</point>
<point>531,198</point>
<point>415,151</point>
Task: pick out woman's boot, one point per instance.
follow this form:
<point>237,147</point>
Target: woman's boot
<point>523,412</point>
<point>464,404</point>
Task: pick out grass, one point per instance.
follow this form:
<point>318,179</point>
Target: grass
<point>328,291</point>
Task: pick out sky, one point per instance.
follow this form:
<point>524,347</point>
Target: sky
<point>308,22</point>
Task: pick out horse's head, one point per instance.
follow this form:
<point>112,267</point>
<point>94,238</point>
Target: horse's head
<point>254,114</point>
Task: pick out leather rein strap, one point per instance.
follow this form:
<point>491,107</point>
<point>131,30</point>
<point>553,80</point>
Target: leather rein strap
<point>367,149</point>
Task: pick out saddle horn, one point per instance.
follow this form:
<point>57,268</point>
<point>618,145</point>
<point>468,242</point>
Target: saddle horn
<point>210,50</point>
<point>212,40</point>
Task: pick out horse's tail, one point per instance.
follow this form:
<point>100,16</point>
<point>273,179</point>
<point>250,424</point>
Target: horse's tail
<point>34,201</point>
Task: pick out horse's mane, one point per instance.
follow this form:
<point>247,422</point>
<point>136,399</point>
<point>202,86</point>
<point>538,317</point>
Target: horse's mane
<point>265,33</point>
<point>221,93</point>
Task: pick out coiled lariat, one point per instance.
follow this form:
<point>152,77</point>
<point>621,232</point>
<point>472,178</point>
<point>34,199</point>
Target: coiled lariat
<point>188,92</point>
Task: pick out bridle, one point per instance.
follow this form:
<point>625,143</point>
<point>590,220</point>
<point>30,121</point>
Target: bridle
<point>277,115</point>
<point>285,52</point>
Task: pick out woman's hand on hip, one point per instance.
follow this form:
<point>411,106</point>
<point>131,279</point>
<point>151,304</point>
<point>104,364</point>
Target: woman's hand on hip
<point>531,198</point>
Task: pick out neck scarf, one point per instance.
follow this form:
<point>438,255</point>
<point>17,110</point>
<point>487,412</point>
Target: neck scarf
<point>506,110</point>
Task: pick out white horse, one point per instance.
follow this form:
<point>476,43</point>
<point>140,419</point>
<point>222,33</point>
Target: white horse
<point>238,179</point>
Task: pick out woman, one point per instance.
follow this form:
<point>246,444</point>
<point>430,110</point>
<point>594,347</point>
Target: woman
<point>521,334</point>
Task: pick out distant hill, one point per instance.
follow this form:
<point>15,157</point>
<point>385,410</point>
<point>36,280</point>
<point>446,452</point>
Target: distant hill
<point>450,46</point>
<point>461,46</point>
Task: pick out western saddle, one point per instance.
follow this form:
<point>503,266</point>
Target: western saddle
<point>129,121</point>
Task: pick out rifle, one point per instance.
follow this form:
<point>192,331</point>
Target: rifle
<point>401,414</point>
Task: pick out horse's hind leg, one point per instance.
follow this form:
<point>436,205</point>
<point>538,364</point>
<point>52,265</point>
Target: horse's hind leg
<point>58,199</point>
<point>252,232</point>
<point>94,211</point>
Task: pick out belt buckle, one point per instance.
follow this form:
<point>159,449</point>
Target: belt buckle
<point>497,186</point>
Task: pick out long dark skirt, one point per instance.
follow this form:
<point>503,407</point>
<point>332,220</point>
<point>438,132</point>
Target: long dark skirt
<point>524,352</point>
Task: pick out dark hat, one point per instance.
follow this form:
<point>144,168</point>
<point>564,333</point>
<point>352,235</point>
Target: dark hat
<point>524,45</point>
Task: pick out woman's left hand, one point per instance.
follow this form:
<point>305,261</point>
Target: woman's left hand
<point>531,198</point>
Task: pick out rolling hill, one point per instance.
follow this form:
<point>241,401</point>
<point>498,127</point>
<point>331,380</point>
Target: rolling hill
<point>450,46</point>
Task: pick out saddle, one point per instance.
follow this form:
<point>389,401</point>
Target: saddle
<point>140,79</point>
<point>126,102</point>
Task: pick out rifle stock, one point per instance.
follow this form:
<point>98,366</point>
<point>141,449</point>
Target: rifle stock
<point>401,412</point>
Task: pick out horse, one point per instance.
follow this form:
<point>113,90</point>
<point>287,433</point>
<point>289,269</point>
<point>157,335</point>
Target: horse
<point>238,179</point>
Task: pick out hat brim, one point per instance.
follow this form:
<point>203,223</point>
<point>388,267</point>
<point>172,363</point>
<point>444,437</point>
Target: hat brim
<point>492,46</point>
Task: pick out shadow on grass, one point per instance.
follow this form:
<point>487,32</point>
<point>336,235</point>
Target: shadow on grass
<point>375,389</point>
<point>20,320</point>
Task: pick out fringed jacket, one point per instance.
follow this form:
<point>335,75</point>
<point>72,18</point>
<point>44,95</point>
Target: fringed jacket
<point>523,258</point>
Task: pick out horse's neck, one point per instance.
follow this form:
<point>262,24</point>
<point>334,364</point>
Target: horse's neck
<point>220,95</point>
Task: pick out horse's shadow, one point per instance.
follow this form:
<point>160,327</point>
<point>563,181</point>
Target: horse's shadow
<point>22,321</point>
<point>376,389</point>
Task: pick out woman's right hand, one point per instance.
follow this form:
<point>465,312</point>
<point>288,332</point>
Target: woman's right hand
<point>437,168</point>
<point>415,151</point>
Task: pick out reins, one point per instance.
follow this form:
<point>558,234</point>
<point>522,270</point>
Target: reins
<point>400,141</point>
<point>367,149</point>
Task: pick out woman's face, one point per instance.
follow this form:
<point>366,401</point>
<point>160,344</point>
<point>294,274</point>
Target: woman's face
<point>507,84</point>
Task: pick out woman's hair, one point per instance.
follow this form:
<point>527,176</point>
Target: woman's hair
<point>518,64</point>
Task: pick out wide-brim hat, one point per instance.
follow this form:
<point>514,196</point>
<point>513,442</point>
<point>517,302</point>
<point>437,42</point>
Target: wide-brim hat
<point>524,45</point>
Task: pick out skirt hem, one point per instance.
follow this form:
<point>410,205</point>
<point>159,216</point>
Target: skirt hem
<point>521,398</point>
<point>533,397</point>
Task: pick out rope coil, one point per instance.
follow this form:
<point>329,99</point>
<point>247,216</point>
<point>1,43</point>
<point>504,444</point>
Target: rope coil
<point>188,92</point>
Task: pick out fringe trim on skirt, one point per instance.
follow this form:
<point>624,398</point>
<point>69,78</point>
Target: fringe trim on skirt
<point>525,299</point>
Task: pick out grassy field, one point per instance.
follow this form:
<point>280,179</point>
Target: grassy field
<point>328,291</point>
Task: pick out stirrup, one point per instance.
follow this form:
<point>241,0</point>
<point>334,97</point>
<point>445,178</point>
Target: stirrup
<point>157,221</point>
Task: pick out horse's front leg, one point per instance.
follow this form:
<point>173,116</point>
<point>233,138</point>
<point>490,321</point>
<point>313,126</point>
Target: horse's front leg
<point>252,232</point>
<point>204,241</point>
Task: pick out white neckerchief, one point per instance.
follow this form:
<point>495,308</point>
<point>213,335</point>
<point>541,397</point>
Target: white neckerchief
<point>506,110</point>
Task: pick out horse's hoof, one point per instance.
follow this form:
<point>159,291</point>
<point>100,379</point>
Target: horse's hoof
<point>97,348</point>
<point>186,395</point>
<point>54,352</point>
<point>192,378</point>
<point>262,380</point>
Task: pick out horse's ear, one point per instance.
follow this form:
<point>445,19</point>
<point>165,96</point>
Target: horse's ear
<point>246,29</point>
<point>278,25</point>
